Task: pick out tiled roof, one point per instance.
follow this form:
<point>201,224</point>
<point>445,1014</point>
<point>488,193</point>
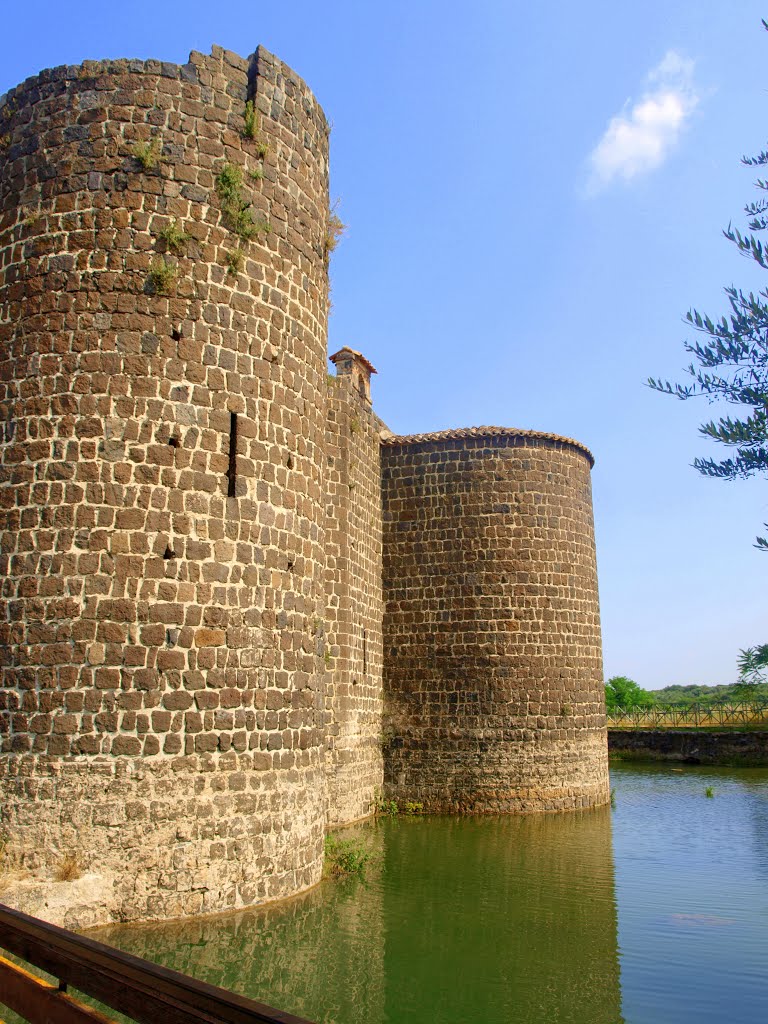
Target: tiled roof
<point>347,351</point>
<point>468,432</point>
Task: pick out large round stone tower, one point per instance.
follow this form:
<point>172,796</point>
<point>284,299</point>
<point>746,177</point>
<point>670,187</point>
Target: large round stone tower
<point>163,304</point>
<point>492,657</point>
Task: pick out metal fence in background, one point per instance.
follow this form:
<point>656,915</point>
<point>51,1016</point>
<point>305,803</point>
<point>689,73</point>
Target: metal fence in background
<point>680,716</point>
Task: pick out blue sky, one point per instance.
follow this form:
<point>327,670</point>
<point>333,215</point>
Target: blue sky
<point>535,195</point>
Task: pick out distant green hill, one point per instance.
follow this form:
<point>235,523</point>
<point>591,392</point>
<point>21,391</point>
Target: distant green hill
<point>699,693</point>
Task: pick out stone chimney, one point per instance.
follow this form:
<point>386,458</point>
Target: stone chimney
<point>350,363</point>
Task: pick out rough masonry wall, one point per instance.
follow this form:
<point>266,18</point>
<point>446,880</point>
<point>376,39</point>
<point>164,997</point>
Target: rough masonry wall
<point>162,694</point>
<point>493,665</point>
<point>353,582</point>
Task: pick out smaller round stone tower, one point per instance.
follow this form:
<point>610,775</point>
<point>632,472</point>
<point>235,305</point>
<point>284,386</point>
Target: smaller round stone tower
<point>492,654</point>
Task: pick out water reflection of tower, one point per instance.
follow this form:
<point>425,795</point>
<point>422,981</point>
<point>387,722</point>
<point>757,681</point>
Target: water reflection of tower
<point>319,955</point>
<point>755,789</point>
<point>461,919</point>
<point>525,929</point>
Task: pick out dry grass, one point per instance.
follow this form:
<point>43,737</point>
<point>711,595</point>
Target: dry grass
<point>334,231</point>
<point>68,869</point>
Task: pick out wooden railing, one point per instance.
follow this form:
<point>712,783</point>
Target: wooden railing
<point>141,990</point>
<point>679,716</point>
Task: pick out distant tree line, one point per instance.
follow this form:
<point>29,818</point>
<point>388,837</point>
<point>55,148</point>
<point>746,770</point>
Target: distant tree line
<point>622,692</point>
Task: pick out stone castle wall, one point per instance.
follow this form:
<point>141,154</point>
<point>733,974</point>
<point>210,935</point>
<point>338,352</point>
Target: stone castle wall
<point>691,746</point>
<point>160,481</point>
<point>353,584</point>
<point>493,665</point>
<point>193,667</point>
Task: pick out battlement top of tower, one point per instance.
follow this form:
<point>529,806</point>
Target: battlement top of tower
<point>465,433</point>
<point>199,69</point>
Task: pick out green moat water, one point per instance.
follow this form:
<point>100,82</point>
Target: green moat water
<point>653,913</point>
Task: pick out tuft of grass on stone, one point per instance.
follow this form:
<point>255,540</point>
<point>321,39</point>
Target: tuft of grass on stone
<point>251,130</point>
<point>238,215</point>
<point>68,869</point>
<point>251,121</point>
<point>344,857</point>
<point>147,154</point>
<point>412,807</point>
<point>173,237</point>
<point>333,233</point>
<point>387,808</point>
<point>30,219</point>
<point>235,260</point>
<point>161,277</point>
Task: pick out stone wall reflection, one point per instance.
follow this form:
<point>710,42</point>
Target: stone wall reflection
<point>525,929</point>
<point>319,955</point>
<point>503,919</point>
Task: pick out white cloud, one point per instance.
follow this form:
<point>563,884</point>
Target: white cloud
<point>639,139</point>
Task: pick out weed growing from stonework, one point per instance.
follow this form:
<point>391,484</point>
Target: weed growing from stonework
<point>237,211</point>
<point>345,857</point>
<point>333,233</point>
<point>412,807</point>
<point>31,218</point>
<point>257,174</point>
<point>252,131</point>
<point>613,799</point>
<point>5,141</point>
<point>235,261</point>
<point>391,808</point>
<point>251,125</point>
<point>387,808</point>
<point>147,154</point>
<point>229,182</point>
<point>173,237</point>
<point>68,869</point>
<point>161,276</point>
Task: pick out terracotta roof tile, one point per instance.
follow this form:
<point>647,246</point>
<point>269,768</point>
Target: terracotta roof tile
<point>468,432</point>
<point>347,351</point>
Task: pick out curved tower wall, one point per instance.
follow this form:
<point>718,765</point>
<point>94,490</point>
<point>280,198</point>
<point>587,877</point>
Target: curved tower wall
<point>162,674</point>
<point>492,656</point>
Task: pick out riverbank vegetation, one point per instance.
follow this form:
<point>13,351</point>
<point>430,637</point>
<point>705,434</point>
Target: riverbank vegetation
<point>345,857</point>
<point>622,692</point>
